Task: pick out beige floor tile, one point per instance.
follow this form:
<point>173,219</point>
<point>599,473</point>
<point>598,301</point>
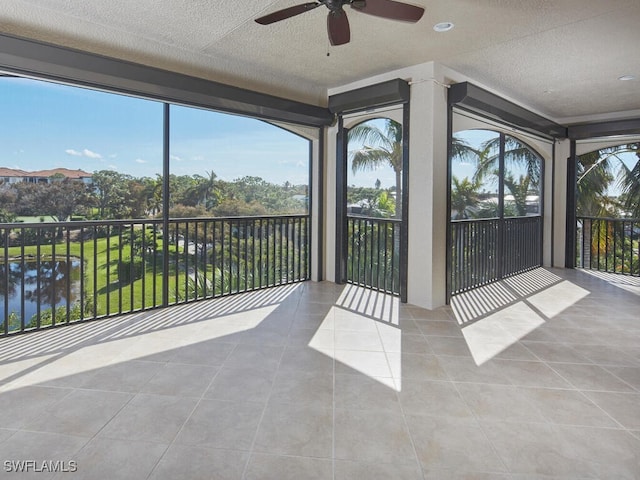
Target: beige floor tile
<point>630,375</point>
<point>423,397</point>
<point>449,346</point>
<point>591,377</point>
<point>306,359</point>
<point>297,430</point>
<point>499,402</point>
<point>129,376</point>
<point>604,452</point>
<point>531,374</point>
<point>462,475</point>
<point>366,341</point>
<point>5,433</point>
<point>21,405</point>
<point>150,418</point>
<point>312,338</point>
<point>372,364</point>
<point>82,412</point>
<point>534,449</point>
<point>420,367</point>
<point>367,436</point>
<point>437,328</point>
<point>109,459</point>
<point>624,407</point>
<point>241,384</point>
<point>361,392</point>
<point>274,467</point>
<point>567,407</point>
<point>452,444</point>
<point>554,352</point>
<point>299,387</point>
<point>395,340</point>
<point>606,355</point>
<point>197,463</point>
<point>211,353</point>
<point>39,447</point>
<point>465,369</point>
<point>345,320</point>
<point>349,470</point>
<point>181,380</point>
<point>221,424</point>
<point>250,356</point>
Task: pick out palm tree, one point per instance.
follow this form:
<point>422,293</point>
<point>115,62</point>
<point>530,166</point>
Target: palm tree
<point>596,172</point>
<point>519,189</point>
<point>208,186</point>
<point>593,179</point>
<point>380,146</point>
<point>464,197</point>
<point>631,187</point>
<point>515,153</point>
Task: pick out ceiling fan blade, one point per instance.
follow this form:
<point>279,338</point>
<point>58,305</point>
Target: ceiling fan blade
<point>389,9</point>
<point>287,13</point>
<point>338,27</point>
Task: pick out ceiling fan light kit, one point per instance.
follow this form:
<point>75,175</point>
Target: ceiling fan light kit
<point>337,22</point>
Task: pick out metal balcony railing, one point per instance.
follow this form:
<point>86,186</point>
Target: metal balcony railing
<point>59,273</point>
<point>373,253</point>
<point>608,245</point>
<point>486,250</point>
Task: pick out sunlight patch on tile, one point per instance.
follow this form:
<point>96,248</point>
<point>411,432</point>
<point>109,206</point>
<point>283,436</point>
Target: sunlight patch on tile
<point>528,283</point>
<point>493,334</point>
<point>378,305</point>
<point>479,302</point>
<point>360,344</point>
<point>556,299</point>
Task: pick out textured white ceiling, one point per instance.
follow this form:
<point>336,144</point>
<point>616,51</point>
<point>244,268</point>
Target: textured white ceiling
<point>560,57</point>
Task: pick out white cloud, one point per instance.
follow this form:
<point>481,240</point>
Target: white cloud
<point>84,153</point>
<point>198,158</point>
<point>113,155</point>
<point>175,157</point>
<point>112,167</point>
<point>139,160</point>
<point>88,153</point>
<point>300,164</point>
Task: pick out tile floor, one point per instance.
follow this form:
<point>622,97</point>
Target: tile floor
<point>534,377</point>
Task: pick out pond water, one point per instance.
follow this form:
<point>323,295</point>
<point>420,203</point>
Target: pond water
<point>47,282</point>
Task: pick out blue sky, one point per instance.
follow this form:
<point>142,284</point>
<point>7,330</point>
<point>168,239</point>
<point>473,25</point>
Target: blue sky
<point>44,125</point>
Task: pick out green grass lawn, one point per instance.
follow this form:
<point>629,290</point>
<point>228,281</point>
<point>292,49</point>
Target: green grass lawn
<point>101,278</point>
<point>112,283</point>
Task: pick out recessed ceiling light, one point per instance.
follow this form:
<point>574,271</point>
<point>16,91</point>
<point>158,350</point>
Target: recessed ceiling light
<point>443,26</point>
<point>626,78</point>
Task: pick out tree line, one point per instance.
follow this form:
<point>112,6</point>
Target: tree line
<point>113,195</point>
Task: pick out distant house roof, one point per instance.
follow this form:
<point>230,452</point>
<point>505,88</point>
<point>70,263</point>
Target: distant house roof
<point>14,172</point>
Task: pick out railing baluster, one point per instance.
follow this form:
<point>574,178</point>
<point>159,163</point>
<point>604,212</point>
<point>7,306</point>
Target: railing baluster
<point>53,283</point>
<point>68,274</point>
<point>5,242</point>
<point>22,287</point>
<point>38,286</point>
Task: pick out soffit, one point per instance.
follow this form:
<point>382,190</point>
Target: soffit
<point>560,57</point>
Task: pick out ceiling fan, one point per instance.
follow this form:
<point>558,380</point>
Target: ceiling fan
<point>337,22</point>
